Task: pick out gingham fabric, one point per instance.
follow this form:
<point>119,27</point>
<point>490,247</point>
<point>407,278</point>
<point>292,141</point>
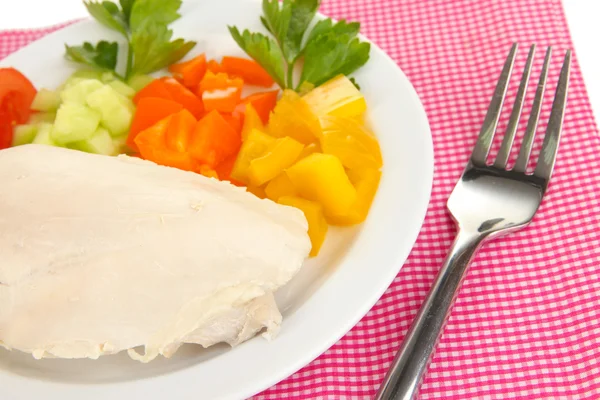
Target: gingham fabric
<point>526,324</point>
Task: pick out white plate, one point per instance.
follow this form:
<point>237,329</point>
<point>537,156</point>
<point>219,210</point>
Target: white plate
<point>331,294</point>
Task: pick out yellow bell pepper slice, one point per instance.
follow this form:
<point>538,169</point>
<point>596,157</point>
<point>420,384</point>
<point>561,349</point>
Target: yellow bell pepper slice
<point>351,142</point>
<point>310,149</point>
<point>293,117</point>
<point>366,182</point>
<point>280,155</point>
<point>257,191</point>
<point>317,225</point>
<point>322,178</point>
<point>280,186</point>
<point>338,97</point>
<point>251,121</point>
<point>255,145</point>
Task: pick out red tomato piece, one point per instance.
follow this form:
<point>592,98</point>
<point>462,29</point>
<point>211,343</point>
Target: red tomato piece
<point>16,95</point>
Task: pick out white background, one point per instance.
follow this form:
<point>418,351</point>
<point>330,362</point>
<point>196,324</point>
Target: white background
<point>583,17</point>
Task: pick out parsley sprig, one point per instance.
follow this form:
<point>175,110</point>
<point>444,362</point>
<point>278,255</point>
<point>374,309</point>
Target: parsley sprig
<point>328,49</point>
<point>144,24</point>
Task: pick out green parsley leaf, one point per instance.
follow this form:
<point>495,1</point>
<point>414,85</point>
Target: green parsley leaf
<point>102,14</point>
<point>158,11</point>
<point>153,48</point>
<point>276,18</point>
<point>356,85</point>
<point>330,55</point>
<point>263,50</point>
<point>103,56</point>
<point>342,27</point>
<point>126,6</point>
<point>303,11</point>
<point>328,49</point>
<point>288,22</point>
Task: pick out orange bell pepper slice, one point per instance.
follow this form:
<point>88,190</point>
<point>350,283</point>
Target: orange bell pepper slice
<point>213,140</point>
<point>220,92</point>
<point>263,103</point>
<point>171,89</point>
<point>190,72</point>
<point>152,145</point>
<point>184,96</point>
<point>224,170</point>
<point>234,120</point>
<point>156,88</point>
<point>179,130</point>
<point>149,111</point>
<point>249,70</point>
<point>214,66</point>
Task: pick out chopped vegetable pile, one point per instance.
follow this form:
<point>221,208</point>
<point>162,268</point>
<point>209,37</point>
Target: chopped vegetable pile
<point>305,146</point>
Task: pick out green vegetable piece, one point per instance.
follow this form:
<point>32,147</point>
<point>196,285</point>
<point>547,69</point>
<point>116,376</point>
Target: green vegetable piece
<point>24,134</point>
<point>138,82</point>
<point>99,143</point>
<point>122,88</point>
<point>329,49</point>
<point>74,122</point>
<point>87,74</point>
<point>106,14</point>
<point>126,6</point>
<point>78,91</point>
<point>120,145</point>
<point>115,110</point>
<point>330,55</point>
<point>263,50</point>
<point>43,135</point>
<point>36,118</point>
<point>342,27</point>
<point>154,50</point>
<point>103,55</point>
<point>46,100</point>
<point>161,12</point>
<point>144,23</point>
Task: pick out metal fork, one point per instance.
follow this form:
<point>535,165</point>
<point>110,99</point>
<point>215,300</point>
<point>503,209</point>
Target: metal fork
<point>487,202</point>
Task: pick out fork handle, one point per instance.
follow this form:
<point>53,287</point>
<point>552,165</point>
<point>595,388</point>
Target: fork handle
<point>404,377</point>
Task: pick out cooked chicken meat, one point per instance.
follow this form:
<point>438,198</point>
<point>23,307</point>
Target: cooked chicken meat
<point>104,254</point>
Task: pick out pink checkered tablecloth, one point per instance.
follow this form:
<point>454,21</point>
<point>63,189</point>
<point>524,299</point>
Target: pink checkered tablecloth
<point>527,322</point>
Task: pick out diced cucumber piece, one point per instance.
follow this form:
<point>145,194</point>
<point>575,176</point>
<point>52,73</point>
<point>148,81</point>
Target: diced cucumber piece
<point>78,92</point>
<point>100,143</point>
<point>23,134</point>
<point>46,100</point>
<point>138,82</point>
<point>42,117</point>
<point>120,144</point>
<point>43,135</point>
<point>116,111</point>
<point>122,88</point>
<point>74,122</point>
<point>107,77</point>
<point>87,74</point>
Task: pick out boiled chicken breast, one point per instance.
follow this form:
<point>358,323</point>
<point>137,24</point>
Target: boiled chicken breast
<point>104,254</point>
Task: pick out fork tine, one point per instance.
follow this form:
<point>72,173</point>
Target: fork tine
<point>523,157</point>
<point>486,135</point>
<point>547,157</point>
<point>515,115</point>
